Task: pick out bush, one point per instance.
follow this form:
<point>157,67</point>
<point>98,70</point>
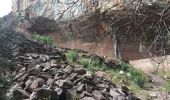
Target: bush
<point>124,66</point>
<point>137,77</point>
<point>96,62</point>
<point>85,62</point>
<point>167,86</point>
<point>93,64</point>
<point>46,39</point>
<point>72,55</point>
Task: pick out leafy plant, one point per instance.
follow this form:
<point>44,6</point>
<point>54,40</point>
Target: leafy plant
<point>72,55</point>
<point>124,66</point>
<point>137,77</point>
<point>167,86</point>
<point>43,38</point>
<point>85,62</point>
<point>93,64</point>
<point>96,62</point>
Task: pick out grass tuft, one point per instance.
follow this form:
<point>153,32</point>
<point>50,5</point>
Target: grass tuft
<point>43,38</point>
<point>72,55</point>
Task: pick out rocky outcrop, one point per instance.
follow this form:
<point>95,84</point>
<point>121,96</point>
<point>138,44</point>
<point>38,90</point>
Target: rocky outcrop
<point>43,72</point>
<point>80,23</point>
<point>60,9</point>
<point>68,21</point>
<point>50,76</point>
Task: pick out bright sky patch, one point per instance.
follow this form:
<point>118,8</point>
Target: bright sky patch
<point>5,7</point>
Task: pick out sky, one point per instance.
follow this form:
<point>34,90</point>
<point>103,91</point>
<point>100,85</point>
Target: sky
<point>5,7</point>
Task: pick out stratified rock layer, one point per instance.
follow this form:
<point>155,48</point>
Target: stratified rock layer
<point>60,9</point>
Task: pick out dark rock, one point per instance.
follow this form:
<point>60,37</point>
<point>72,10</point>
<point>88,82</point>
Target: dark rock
<point>81,88</point>
<point>23,77</point>
<point>98,95</point>
<point>120,92</point>
<point>46,93</point>
<point>68,69</point>
<point>66,84</point>
<point>58,90</point>
<point>19,76</point>
<point>53,63</point>
<point>81,71</point>
<point>28,83</point>
<point>44,58</point>
<point>102,86</point>
<point>120,98</point>
<point>33,96</point>
<point>47,66</point>
<point>33,85</point>
<point>33,72</point>
<point>71,95</point>
<point>10,93</point>
<point>50,82</point>
<point>85,93</point>
<point>22,84</point>
<point>114,94</point>
<point>19,94</point>
<point>41,82</point>
<point>125,90</point>
<point>72,76</point>
<point>44,75</point>
<point>55,57</point>
<point>88,98</point>
<point>58,75</point>
<point>34,56</point>
<point>132,97</point>
<point>89,75</point>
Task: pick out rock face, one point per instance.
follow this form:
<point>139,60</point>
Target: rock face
<point>85,29</point>
<point>74,24</point>
<point>60,9</point>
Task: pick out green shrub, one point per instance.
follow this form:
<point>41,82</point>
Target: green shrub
<point>94,64</point>
<point>72,55</point>
<point>137,77</point>
<point>85,62</point>
<point>167,86</point>
<point>124,66</point>
<point>46,39</point>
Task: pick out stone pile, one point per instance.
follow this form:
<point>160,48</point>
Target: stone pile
<point>51,77</point>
